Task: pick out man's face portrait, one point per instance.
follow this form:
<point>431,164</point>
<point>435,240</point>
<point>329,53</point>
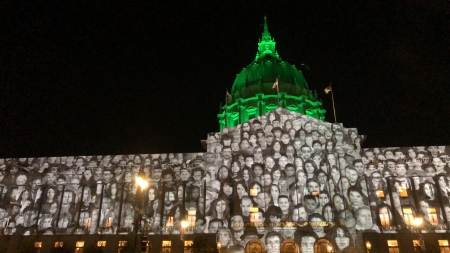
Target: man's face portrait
<point>307,245</point>
<point>273,244</point>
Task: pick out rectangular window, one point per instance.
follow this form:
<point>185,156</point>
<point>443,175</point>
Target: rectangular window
<point>408,216</point>
<point>443,245</point>
<point>384,217</point>
<point>433,216</point>
<point>122,243</point>
<point>101,244</point>
<point>403,192</point>
<point>393,246</point>
<point>188,246</point>
<point>79,246</point>
<point>417,246</point>
<point>37,247</point>
<point>166,246</point>
<point>58,244</point>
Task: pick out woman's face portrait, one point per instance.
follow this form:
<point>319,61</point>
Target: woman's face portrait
<point>341,240</point>
<point>244,144</point>
<point>220,206</point>
<point>128,221</point>
<point>258,171</point>
<point>328,213</point>
<point>331,159</point>
<point>429,192</point>
<point>224,237</point>
<point>276,147</point>
<point>235,167</point>
<point>298,162</point>
<point>301,178</point>
<point>345,184</point>
<point>47,222</point>
<point>276,175</point>
<point>128,177</point>
<point>50,193</point>
<point>338,203</point>
<point>258,189</point>
<point>285,139</point>
<point>309,168</point>
<point>151,194</point>
<point>227,189</point>
<point>240,191</point>
<point>335,174</point>
<point>356,198</point>
<point>245,175</point>
<point>274,192</point>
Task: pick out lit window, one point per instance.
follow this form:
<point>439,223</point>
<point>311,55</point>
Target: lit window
<point>101,244</point>
<point>188,246</point>
<point>253,192</point>
<point>443,245</point>
<point>191,218</point>
<point>408,215</point>
<point>385,218</point>
<point>37,247</point>
<point>403,192</point>
<point>58,244</point>
<point>393,246</point>
<point>417,246</point>
<point>433,216</point>
<point>166,246</point>
<point>380,193</point>
<point>122,243</point>
<point>79,246</point>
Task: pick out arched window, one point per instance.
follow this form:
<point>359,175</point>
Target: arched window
<point>323,246</point>
<point>255,246</point>
<point>289,246</point>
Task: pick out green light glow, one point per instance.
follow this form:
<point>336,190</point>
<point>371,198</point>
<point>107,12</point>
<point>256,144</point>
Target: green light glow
<point>252,92</point>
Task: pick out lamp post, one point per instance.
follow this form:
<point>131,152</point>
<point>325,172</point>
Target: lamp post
<point>417,222</point>
<point>219,246</point>
<point>142,183</point>
<point>368,246</point>
<point>184,225</point>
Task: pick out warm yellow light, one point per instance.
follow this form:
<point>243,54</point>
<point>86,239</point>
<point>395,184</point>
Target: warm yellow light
<point>417,222</point>
<point>443,243</point>
<point>368,245</point>
<point>219,245</point>
<point>254,209</point>
<point>253,192</point>
<point>315,193</point>
<point>380,194</point>
<point>192,212</point>
<point>184,224</point>
<point>141,182</point>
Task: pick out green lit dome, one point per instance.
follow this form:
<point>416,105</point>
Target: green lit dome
<point>253,92</point>
<point>259,77</point>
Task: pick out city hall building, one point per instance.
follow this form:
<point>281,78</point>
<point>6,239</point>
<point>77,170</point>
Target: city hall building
<point>275,178</point>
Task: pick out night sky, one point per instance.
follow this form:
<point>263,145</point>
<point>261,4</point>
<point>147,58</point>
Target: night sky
<point>88,79</point>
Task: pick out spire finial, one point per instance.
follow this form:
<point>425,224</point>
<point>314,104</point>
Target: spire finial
<point>266,45</point>
<point>266,34</point>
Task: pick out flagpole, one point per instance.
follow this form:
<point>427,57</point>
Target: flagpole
<point>278,92</point>
<point>334,110</point>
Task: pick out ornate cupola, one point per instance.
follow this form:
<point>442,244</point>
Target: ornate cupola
<point>253,94</point>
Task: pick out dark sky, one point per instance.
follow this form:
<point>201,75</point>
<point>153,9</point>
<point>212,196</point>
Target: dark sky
<point>82,79</point>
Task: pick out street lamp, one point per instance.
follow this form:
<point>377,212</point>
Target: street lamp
<point>368,246</point>
<point>418,222</point>
<point>184,225</point>
<point>219,246</point>
<point>142,182</point>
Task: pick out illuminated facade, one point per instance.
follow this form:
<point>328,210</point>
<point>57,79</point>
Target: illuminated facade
<point>279,179</point>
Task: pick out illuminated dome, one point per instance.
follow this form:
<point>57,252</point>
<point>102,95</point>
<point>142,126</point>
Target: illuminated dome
<point>259,76</point>
<point>253,94</point>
